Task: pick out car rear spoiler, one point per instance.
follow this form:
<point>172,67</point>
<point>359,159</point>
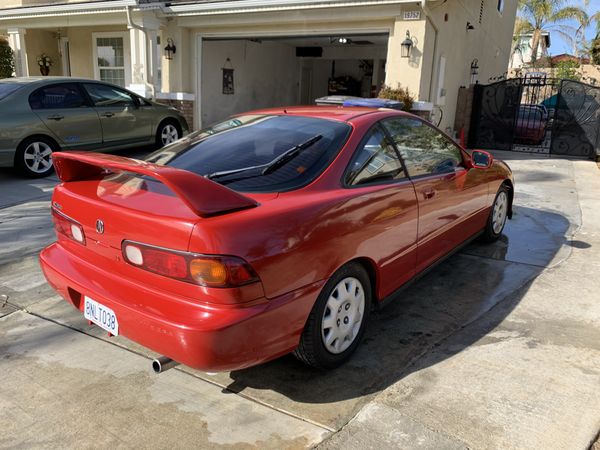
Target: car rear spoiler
<point>203,196</point>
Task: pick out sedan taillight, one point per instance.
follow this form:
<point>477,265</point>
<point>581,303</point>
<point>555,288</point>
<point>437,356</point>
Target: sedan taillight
<point>205,270</point>
<point>68,227</point>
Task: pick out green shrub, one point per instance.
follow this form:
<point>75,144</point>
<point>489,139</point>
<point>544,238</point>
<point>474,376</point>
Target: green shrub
<point>568,70</point>
<point>7,59</point>
<point>401,94</point>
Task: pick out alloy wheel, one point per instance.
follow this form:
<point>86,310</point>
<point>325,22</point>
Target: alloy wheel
<point>169,134</point>
<point>38,157</point>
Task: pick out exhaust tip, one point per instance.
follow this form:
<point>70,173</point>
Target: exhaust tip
<point>163,363</point>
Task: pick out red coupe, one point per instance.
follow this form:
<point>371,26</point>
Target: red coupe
<point>273,232</point>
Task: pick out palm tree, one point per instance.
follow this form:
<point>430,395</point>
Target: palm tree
<point>593,47</point>
<point>538,16</point>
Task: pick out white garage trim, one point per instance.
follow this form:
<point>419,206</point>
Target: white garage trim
<point>245,6</point>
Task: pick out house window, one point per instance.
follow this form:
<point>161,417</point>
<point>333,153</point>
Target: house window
<point>500,6</point>
<point>111,58</point>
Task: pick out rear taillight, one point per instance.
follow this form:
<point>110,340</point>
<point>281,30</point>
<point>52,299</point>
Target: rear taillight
<point>68,227</point>
<point>205,270</point>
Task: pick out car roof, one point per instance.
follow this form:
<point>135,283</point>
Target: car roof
<point>340,113</point>
<point>41,80</point>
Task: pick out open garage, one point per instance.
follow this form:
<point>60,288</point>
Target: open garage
<point>240,74</point>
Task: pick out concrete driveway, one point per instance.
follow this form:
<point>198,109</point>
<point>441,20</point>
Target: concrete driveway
<point>498,347</point>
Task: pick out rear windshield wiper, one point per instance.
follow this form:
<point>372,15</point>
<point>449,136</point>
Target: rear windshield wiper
<point>272,165</point>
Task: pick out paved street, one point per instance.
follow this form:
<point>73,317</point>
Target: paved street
<point>498,347</point>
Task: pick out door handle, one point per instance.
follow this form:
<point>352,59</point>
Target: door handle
<point>56,117</point>
<point>428,193</point>
<point>107,114</point>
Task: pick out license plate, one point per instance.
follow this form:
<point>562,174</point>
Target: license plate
<point>101,315</point>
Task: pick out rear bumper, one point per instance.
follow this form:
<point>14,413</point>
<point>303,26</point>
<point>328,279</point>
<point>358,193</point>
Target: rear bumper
<point>207,337</point>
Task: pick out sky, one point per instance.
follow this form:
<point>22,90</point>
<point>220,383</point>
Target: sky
<point>558,44</point>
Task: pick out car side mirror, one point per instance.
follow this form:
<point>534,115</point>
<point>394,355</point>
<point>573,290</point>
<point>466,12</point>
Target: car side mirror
<point>481,159</point>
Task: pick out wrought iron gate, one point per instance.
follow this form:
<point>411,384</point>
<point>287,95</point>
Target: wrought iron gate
<point>537,114</point>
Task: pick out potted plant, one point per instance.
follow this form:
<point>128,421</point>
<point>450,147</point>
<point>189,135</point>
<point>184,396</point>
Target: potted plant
<point>400,94</point>
<point>44,61</point>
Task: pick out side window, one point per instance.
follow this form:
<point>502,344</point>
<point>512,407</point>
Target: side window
<point>375,160</point>
<point>57,96</point>
<point>103,95</point>
<point>424,149</point>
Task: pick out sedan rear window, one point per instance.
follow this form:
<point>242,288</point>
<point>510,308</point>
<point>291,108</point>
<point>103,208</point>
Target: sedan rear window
<point>57,96</point>
<point>8,88</point>
<point>237,152</point>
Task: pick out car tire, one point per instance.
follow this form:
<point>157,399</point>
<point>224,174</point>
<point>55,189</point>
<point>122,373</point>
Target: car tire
<point>498,215</point>
<point>33,157</point>
<point>167,132</point>
<point>338,319</point>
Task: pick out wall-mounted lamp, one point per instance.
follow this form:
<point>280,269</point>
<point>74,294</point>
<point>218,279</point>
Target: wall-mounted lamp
<point>474,70</point>
<point>170,49</point>
<point>406,46</point>
<point>470,26</point>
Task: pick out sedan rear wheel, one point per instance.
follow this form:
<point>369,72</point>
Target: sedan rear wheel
<point>337,321</point>
<point>34,157</point>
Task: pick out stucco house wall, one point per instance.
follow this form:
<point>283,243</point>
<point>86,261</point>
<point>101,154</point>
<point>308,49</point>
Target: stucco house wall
<point>440,62</point>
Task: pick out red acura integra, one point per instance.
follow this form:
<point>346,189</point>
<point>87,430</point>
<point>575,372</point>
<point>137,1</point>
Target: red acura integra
<point>273,232</point>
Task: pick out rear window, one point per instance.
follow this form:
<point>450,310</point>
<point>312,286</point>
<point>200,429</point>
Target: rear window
<point>255,140</point>
<point>57,96</point>
<point>8,88</point>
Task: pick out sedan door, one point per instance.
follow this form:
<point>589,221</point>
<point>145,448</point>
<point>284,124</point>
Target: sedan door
<point>123,121</point>
<point>452,198</point>
<point>66,112</point>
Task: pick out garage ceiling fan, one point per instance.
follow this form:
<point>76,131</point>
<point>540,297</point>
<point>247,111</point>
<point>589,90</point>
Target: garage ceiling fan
<point>346,41</point>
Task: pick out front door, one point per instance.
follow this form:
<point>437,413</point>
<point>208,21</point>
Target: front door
<point>67,114</point>
<point>450,196</point>
<point>123,121</point>
<point>388,205</point>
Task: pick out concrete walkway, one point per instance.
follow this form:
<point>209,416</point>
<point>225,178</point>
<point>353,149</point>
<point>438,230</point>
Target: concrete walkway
<point>526,375</point>
<point>496,348</point>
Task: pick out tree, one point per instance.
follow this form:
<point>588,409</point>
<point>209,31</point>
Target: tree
<point>595,50</point>
<point>593,47</point>
<point>538,16</point>
<point>7,60</point>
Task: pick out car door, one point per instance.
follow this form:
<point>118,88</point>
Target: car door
<point>450,195</point>
<point>67,113</point>
<point>123,121</point>
<point>385,197</point>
